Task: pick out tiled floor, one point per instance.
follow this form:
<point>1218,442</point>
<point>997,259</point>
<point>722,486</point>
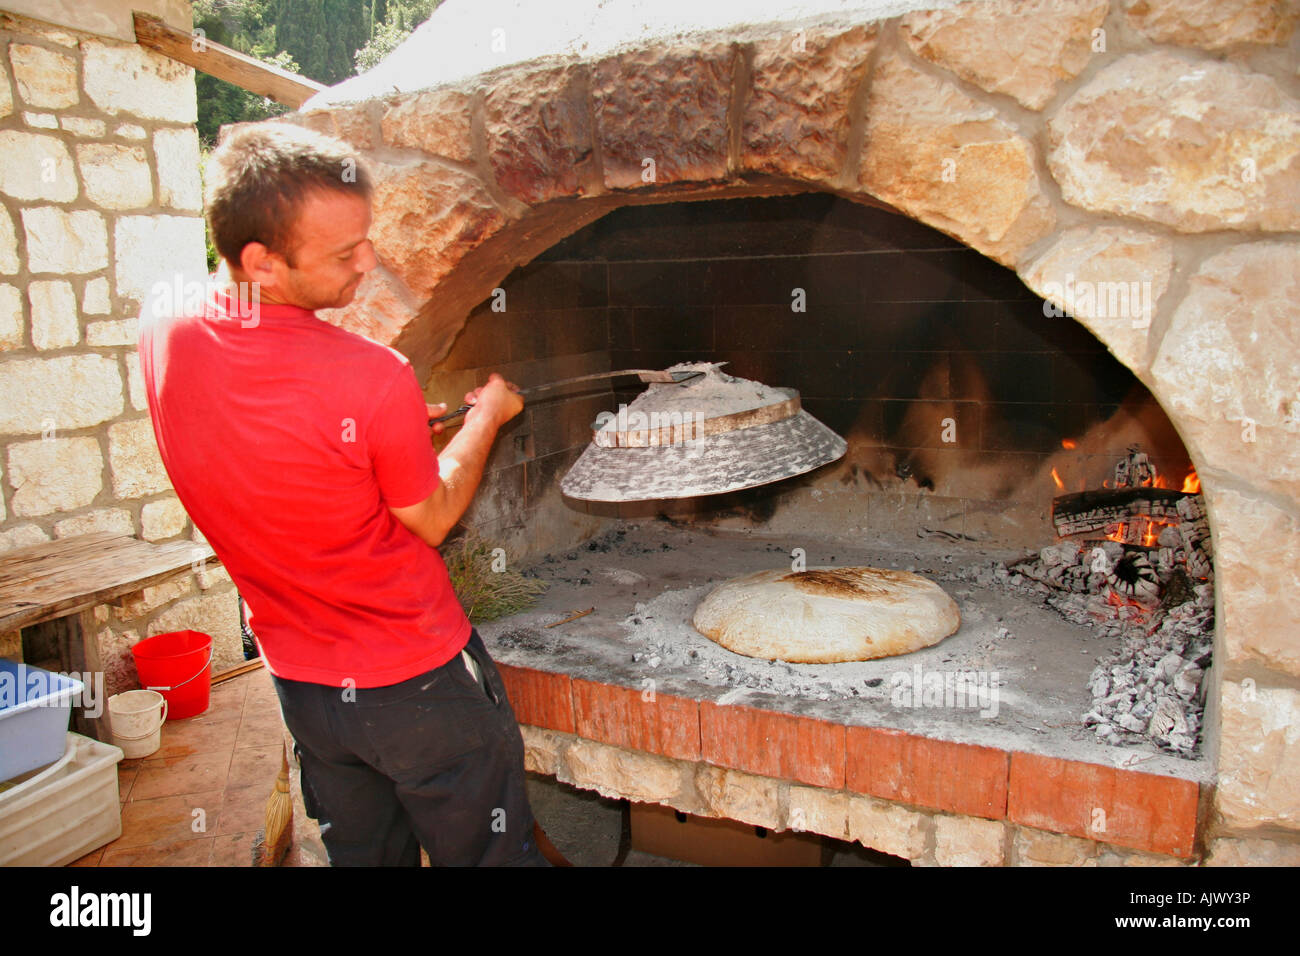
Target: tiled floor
<point>200,799</point>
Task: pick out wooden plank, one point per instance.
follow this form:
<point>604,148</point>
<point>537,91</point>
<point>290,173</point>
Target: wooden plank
<point>224,63</point>
<point>81,652</point>
<point>72,574</point>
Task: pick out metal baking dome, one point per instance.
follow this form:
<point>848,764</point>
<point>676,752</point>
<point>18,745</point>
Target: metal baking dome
<point>711,434</point>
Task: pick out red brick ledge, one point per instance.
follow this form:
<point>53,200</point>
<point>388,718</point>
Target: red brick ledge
<point>1125,808</point>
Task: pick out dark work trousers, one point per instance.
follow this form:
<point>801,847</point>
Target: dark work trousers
<point>435,761</point>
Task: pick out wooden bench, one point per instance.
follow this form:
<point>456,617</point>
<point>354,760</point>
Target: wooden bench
<point>67,578</point>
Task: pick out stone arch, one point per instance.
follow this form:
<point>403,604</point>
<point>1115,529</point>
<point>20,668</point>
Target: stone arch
<point>1018,156</point>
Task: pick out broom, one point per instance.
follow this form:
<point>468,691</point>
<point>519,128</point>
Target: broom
<point>278,832</point>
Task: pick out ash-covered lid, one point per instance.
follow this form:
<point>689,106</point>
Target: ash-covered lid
<point>710,395</point>
<point>708,435</point>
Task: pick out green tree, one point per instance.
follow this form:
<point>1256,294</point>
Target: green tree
<point>400,18</point>
<point>242,25</point>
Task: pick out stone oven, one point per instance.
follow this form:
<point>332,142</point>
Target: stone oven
<point>915,217</point>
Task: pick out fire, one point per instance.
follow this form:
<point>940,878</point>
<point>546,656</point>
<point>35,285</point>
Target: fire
<point>1192,483</point>
<point>1057,478</point>
<point>1068,444</point>
<point>1141,529</point>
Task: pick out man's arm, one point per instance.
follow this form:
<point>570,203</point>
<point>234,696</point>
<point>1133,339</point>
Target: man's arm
<point>461,463</point>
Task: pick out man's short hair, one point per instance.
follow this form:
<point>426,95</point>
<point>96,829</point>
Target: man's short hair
<point>258,178</point>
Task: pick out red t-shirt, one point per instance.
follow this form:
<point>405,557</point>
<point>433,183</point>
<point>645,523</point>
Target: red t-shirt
<point>287,440</point>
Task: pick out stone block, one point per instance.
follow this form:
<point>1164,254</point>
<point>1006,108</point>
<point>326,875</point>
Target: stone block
<point>61,474</point>
<point>661,114</point>
<point>1199,147</point>
<point>60,392</point>
<point>135,382</point>
<point>1212,24</point>
<point>40,120</point>
<point>11,318</point>
<point>1111,856</point>
<point>8,244</point>
<point>1111,279</point>
<point>6,97</point>
<point>130,131</point>
<point>65,241</point>
<point>1023,49</point>
<point>115,176</point>
<point>1258,611</point>
<point>1226,370</point>
<point>816,810</point>
<point>44,77</point>
<point>538,132</point>
<point>139,603</point>
<point>36,166</point>
<point>54,314</point>
<point>968,841</point>
<point>211,575</point>
<point>116,520</point>
<point>797,116</point>
<point>1259,757</point>
<point>162,519</point>
<point>134,460</point>
<point>126,78</point>
<point>739,796</point>
<point>543,749</point>
<point>157,248</point>
<point>119,666</point>
<point>177,154</point>
<point>427,217</point>
<point>95,301</point>
<point>617,773</point>
<point>1232,851</point>
<point>436,122</point>
<point>22,536</point>
<point>887,827</point>
<point>83,126</point>
<point>952,163</point>
<point>112,332</point>
<point>1040,848</point>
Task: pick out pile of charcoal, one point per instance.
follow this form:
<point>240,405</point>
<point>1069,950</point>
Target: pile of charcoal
<point>1159,611</point>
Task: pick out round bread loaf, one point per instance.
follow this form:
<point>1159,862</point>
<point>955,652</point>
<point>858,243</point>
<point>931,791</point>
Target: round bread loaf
<point>827,615</point>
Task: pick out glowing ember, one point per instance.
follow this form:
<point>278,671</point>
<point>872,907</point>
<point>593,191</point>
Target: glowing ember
<point>1068,444</point>
<point>1057,478</point>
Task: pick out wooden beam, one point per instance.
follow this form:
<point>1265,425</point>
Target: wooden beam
<point>224,63</point>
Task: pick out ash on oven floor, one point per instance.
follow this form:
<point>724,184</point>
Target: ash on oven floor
<point>1031,668</point>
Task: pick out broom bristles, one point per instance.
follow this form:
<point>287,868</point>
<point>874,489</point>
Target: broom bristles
<point>485,593</point>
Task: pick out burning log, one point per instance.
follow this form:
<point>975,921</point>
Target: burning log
<point>1136,509</point>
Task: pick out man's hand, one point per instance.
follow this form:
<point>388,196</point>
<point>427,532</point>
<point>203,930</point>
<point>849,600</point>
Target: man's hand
<point>461,462</point>
<point>498,400</point>
<point>437,411</point>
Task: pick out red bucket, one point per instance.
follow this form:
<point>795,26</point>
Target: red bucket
<point>178,666</point>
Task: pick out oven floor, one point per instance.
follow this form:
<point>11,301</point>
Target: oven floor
<point>1030,666</point>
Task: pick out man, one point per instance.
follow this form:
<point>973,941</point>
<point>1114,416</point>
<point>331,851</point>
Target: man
<point>303,454</point>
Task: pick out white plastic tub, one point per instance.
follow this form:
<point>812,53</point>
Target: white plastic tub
<point>35,706</point>
<point>63,812</point>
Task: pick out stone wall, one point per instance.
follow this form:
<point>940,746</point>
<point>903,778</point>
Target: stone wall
<point>99,197</point>
<point>1083,143</point>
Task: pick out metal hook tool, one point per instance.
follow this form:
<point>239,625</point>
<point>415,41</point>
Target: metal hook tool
<point>645,375</point>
